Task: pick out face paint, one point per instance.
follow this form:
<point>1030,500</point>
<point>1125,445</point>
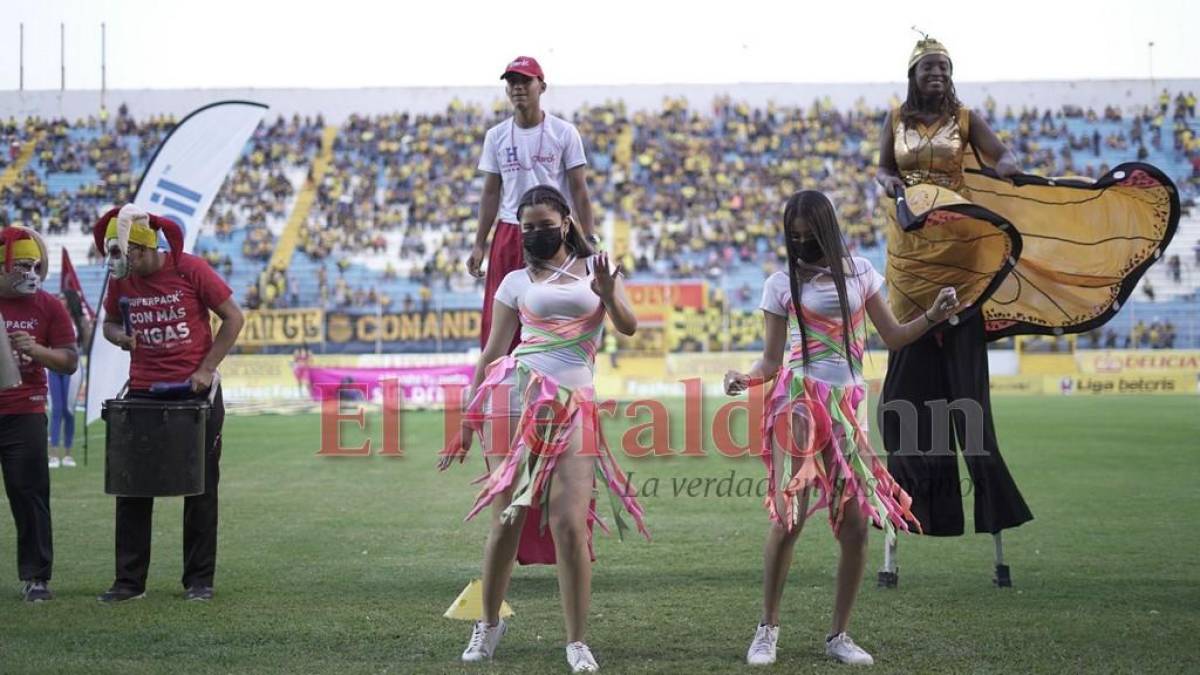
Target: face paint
<point>23,278</point>
<point>118,264</point>
<point>27,283</point>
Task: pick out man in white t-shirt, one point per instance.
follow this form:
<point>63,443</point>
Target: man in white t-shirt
<point>530,148</point>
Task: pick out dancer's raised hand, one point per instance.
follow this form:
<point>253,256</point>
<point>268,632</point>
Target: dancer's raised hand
<point>604,281</point>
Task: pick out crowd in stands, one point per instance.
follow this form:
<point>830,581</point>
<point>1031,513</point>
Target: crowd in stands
<point>698,188</point>
<point>259,186</point>
<point>107,152</point>
<point>411,175</point>
<point>1158,334</point>
<point>259,190</point>
<point>275,289</point>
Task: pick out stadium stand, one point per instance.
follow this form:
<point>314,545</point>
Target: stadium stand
<point>380,211</point>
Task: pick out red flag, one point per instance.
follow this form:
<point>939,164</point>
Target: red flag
<point>70,280</point>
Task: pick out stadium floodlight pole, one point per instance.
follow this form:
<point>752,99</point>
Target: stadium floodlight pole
<point>103,63</point>
<point>1150,49</point>
<point>21,60</point>
<point>62,56</point>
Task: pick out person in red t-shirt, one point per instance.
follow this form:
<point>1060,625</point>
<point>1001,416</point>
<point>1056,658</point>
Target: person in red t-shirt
<point>170,341</point>
<point>41,336</point>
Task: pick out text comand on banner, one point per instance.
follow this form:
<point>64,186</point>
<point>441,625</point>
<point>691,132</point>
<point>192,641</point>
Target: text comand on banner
<point>430,331</point>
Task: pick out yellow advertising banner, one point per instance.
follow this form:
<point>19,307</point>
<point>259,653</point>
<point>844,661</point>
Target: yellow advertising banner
<point>260,377</point>
<point>1111,361</point>
<point>626,384</point>
<point>405,327</point>
<point>656,376</point>
<point>715,364</point>
<point>269,377</point>
<point>273,327</point>
<point>1019,385</point>
<point>1159,383</point>
<point>1047,364</point>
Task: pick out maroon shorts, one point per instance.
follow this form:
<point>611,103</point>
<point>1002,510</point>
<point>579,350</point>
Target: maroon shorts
<point>507,254</point>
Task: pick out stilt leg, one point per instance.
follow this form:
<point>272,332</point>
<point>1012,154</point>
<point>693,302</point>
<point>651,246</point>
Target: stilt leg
<point>889,576</point>
<point>1003,577</point>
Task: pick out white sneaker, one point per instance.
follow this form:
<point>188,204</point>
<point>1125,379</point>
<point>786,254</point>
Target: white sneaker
<point>580,658</point>
<point>68,461</point>
<point>842,648</point>
<point>484,639</point>
<point>54,463</point>
<point>762,650</point>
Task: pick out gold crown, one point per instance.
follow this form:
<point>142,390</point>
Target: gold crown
<point>925,47</point>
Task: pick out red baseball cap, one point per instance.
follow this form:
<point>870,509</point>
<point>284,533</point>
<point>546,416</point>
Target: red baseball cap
<point>525,65</point>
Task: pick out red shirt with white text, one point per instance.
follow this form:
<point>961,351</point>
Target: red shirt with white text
<point>45,318</point>
<point>169,312</point>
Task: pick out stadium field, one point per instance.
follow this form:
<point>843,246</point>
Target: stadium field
<point>346,564</point>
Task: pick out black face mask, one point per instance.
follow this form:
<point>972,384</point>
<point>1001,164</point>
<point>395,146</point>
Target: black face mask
<point>543,243</point>
<point>810,251</point>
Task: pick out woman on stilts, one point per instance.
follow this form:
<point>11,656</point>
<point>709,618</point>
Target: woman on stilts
<point>1026,255</point>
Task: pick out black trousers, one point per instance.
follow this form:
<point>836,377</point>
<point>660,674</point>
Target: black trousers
<point>27,483</point>
<point>134,519</point>
<point>954,371</point>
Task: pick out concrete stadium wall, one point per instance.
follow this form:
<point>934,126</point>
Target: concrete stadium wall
<point>337,104</point>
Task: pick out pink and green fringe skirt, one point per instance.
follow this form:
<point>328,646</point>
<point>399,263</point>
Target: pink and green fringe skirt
<point>835,456</point>
<point>549,415</point>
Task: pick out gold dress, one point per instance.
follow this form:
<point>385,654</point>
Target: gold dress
<point>1035,256</point>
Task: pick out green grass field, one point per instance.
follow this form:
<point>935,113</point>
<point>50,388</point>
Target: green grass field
<point>346,565</point>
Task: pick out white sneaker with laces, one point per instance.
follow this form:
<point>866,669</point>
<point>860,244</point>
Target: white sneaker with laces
<point>762,649</point>
<point>580,658</point>
<point>842,648</point>
<point>68,461</point>
<point>484,639</point>
<point>54,463</point>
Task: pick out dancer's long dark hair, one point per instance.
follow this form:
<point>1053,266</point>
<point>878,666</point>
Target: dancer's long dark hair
<point>945,106</point>
<point>815,209</point>
<point>546,195</point>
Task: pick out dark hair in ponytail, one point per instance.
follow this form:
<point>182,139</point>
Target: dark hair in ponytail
<point>546,195</point>
<point>815,209</point>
